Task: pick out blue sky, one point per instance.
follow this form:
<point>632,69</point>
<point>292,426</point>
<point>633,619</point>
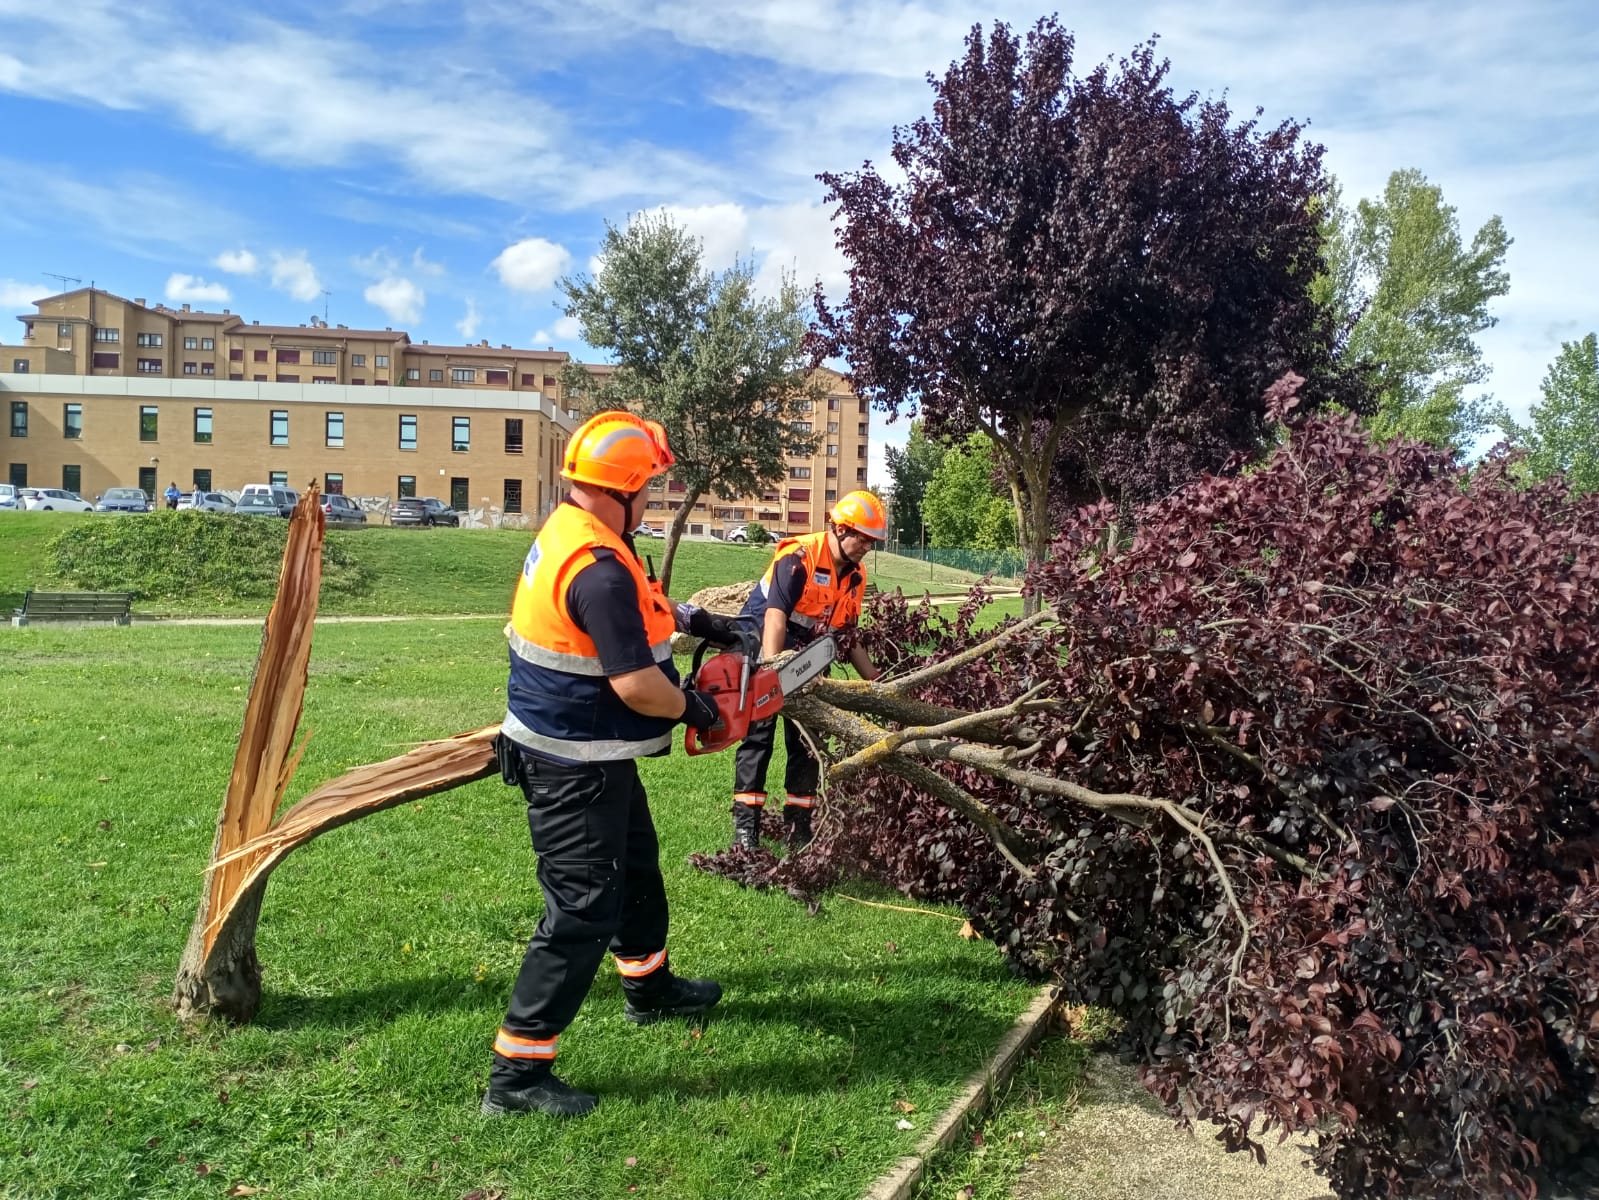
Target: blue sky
<point>436,166</point>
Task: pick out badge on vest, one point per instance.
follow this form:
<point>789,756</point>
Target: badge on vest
<point>530,564</point>
<point>821,578</point>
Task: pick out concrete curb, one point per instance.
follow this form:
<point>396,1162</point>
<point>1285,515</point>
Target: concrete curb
<point>974,1098</point>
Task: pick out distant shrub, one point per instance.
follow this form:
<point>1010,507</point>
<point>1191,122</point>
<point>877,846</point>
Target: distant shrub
<point>173,555</point>
<point>757,534</point>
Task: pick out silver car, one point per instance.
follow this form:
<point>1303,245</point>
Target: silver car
<point>206,502</point>
<point>8,498</point>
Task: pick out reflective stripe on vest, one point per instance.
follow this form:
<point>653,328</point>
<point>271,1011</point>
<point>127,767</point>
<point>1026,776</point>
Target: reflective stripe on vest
<point>572,664</point>
<point>610,750</point>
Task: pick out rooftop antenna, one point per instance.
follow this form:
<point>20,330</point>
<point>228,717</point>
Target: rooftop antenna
<point>325,295</point>
<point>65,279</point>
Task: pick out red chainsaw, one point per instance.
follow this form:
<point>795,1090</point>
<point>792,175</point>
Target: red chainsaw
<point>745,691</point>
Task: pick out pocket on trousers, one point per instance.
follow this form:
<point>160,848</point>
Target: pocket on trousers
<point>587,886</point>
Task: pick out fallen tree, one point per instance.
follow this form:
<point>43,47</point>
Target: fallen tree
<point>1303,782</point>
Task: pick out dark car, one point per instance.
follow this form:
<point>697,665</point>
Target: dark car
<point>257,504</point>
<point>123,499</point>
<point>341,510</point>
<point>413,510</point>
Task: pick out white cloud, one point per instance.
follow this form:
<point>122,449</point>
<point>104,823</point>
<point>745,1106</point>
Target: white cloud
<point>294,275</point>
<point>467,325</point>
<point>398,297</point>
<point>236,262</point>
<point>542,338</point>
<point>16,294</point>
<point>722,230</point>
<point>568,329</point>
<point>532,265</point>
<point>422,266</point>
<point>193,289</point>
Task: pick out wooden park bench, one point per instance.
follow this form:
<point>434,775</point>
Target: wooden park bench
<point>74,606</point>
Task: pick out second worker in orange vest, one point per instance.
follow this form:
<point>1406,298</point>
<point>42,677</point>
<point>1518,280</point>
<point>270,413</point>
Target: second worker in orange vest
<point>813,586</point>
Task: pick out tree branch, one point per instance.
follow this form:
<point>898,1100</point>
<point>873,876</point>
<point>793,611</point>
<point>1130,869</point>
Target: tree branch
<point>939,669</point>
<point>873,755</point>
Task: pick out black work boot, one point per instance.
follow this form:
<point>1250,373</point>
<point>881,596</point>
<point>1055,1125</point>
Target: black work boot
<point>540,1092</point>
<point>676,998</point>
<point>747,825</point>
<point>797,825</point>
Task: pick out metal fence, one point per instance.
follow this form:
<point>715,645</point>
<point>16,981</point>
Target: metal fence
<point>1002,564</point>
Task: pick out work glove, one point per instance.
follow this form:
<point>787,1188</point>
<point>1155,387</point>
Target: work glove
<point>699,710</point>
<point>720,630</point>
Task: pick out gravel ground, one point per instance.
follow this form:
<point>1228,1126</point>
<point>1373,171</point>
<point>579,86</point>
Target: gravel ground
<point>1121,1146</point>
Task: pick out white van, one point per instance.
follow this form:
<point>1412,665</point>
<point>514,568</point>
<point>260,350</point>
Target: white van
<point>284,497</point>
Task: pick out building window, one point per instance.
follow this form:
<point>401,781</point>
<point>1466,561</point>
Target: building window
<point>832,472</point>
<point>324,358</point>
<point>63,330</point>
<point>860,430</point>
<point>259,355</point>
<point>190,368</point>
<point>380,360</point>
<point>282,378</point>
<point>279,427</point>
<point>323,379</point>
<point>460,493</point>
<point>461,433</point>
<point>208,344</point>
<point>435,375</point>
<point>413,374</point>
<point>832,427</point>
<point>799,472</point>
<point>333,484</point>
<point>358,360</point>
<point>497,377</point>
<point>258,379</point>
<point>19,366</point>
<point>549,381</point>
<point>279,478</point>
<point>149,422</point>
<point>860,474</point>
<point>832,403</point>
<point>149,366</point>
<point>202,479</point>
<point>107,335</point>
<point>800,494</point>
<point>529,381</point>
<point>111,361</point>
<point>463,374</point>
<point>288,356</point>
<point>832,493</point>
<point>72,422</point>
<point>513,435</point>
<point>147,482</point>
<point>335,429</point>
<point>832,449</point>
<point>802,426</point>
<point>202,426</point>
<point>863,407</point>
<point>19,418</point>
<point>236,354</point>
<point>513,496</point>
<point>407,485</point>
<point>191,343</point>
<point>407,431</point>
<point>208,368</point>
<point>357,383</point>
<point>149,339</point>
<point>236,376</point>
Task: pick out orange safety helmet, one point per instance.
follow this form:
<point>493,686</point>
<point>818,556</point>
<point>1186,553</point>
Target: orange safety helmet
<point>862,512</point>
<point>616,450</point>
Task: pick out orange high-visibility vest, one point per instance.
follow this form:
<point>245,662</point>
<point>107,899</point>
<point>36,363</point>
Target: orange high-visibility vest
<point>826,603</point>
<point>558,701</point>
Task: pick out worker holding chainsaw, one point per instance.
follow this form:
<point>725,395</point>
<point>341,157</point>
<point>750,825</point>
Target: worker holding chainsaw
<point>593,689</point>
<point>813,587</point>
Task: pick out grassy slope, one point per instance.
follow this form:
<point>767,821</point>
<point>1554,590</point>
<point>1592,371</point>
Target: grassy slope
<point>435,571</point>
<point>389,949</point>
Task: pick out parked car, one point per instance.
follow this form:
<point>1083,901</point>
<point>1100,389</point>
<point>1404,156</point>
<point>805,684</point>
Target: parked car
<point>341,510</point>
<point>57,500</point>
<point>261,504</point>
<point>285,497</point>
<point>206,502</point>
<point>736,534</point>
<point>8,498</point>
<point>645,531</point>
<point>423,510</point>
<point>131,500</point>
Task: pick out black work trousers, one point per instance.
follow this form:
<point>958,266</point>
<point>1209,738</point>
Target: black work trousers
<point>755,755</point>
<point>599,869</point>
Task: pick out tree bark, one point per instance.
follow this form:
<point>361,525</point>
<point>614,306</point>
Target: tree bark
<point>674,534</point>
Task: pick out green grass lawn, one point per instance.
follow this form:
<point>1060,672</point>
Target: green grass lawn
<point>389,949</point>
<point>418,572</point>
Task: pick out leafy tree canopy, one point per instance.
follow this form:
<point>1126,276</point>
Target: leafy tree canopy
<point>962,506</point>
<point>1563,438</point>
<point>1084,268</point>
<point>910,471</point>
<point>721,367</point>
<point>1412,297</point>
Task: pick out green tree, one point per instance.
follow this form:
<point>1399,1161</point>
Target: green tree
<point>724,370</point>
<point>963,505</point>
<point>1563,437</point>
<point>909,471</point>
<point>1413,297</point>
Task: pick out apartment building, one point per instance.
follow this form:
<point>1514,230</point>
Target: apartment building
<point>104,391</point>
